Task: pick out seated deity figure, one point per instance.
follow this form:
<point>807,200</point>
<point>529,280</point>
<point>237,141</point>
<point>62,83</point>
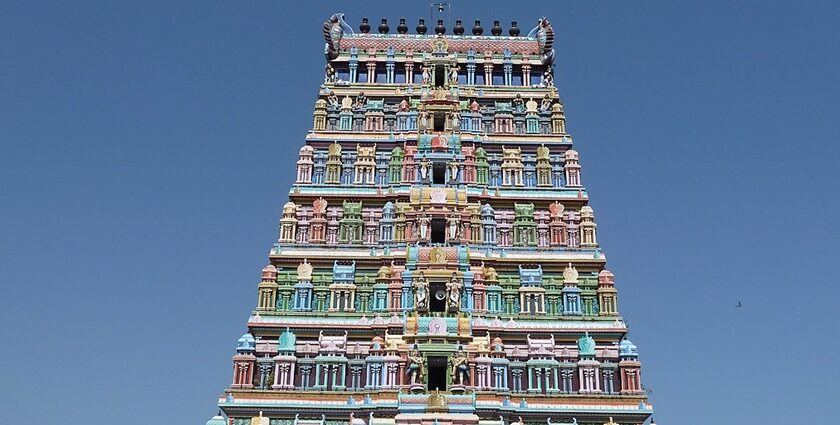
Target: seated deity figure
<point>546,103</point>
<point>416,366</point>
<point>361,100</point>
<point>421,292</point>
<point>460,368</point>
<point>332,100</point>
<point>403,106</point>
<point>475,107</point>
<point>454,287</point>
<point>518,103</point>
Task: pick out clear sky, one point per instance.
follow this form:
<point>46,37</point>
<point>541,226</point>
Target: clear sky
<point>146,150</point>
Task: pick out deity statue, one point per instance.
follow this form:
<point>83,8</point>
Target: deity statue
<point>424,168</point>
<point>453,288</point>
<point>427,75</point>
<point>548,79</point>
<point>421,292</point>
<point>425,222</point>
<point>329,74</point>
<point>546,103</point>
<point>416,366</point>
<point>474,106</point>
<point>518,103</point>
<point>423,121</point>
<point>403,105</point>
<point>332,100</point>
<point>455,120</point>
<point>453,74</point>
<point>361,100</point>
<point>460,368</point>
<point>452,222</point>
<point>453,168</point>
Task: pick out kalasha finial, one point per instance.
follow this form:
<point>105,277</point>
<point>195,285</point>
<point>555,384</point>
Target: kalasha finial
<point>383,26</point>
<point>365,26</point>
<point>514,29</point>
<point>439,28</point>
<point>477,29</point>
<point>402,28</point>
<point>459,28</point>
<point>497,28</point>
<point>421,27</point>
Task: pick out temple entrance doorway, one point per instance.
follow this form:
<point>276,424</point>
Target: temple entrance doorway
<point>437,373</point>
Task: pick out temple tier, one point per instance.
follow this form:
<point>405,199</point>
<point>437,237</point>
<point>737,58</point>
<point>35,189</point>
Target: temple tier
<point>437,260</point>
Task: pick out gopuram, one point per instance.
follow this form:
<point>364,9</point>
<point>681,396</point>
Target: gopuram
<point>437,260</point>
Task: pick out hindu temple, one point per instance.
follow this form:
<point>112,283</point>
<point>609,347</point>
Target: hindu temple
<point>437,261</point>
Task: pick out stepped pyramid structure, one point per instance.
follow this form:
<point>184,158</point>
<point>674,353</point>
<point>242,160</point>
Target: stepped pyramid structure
<point>437,260</point>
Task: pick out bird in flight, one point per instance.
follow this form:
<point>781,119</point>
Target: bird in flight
<point>739,305</point>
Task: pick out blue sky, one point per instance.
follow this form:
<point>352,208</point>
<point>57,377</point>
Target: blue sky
<point>146,150</point>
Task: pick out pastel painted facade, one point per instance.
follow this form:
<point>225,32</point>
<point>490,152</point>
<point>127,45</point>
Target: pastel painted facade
<point>437,260</point>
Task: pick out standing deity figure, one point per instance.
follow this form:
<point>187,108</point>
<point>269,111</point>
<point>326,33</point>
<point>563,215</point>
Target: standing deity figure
<point>403,105</point>
<point>424,168</point>
<point>415,367</point>
<point>423,121</point>
<point>421,292</point>
<point>455,120</point>
<point>427,75</point>
<point>425,222</point>
<point>329,74</point>
<point>460,368</point>
<point>453,168</point>
<point>546,103</point>
<point>452,222</point>
<point>453,74</point>
<point>453,288</point>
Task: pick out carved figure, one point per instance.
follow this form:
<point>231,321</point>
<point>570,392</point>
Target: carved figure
<point>548,79</point>
<point>453,168</point>
<point>416,366</point>
<point>427,75</point>
<point>425,222</point>
<point>361,100</point>
<point>460,368</point>
<point>474,106</point>
<point>544,33</point>
<point>332,100</point>
<point>403,105</point>
<point>423,121</point>
<point>452,221</point>
<point>518,103</point>
<point>424,168</point>
<point>421,292</point>
<point>546,103</point>
<point>455,120</point>
<point>453,288</point>
<point>329,74</point>
<point>453,74</point>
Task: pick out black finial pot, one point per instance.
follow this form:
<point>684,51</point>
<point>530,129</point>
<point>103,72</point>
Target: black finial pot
<point>383,26</point>
<point>365,26</point>
<point>439,28</point>
<point>514,29</point>
<point>421,27</point>
<point>477,29</point>
<point>497,29</point>
<point>459,28</point>
<point>402,28</point>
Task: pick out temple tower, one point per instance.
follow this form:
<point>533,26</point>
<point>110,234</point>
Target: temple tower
<point>437,261</point>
